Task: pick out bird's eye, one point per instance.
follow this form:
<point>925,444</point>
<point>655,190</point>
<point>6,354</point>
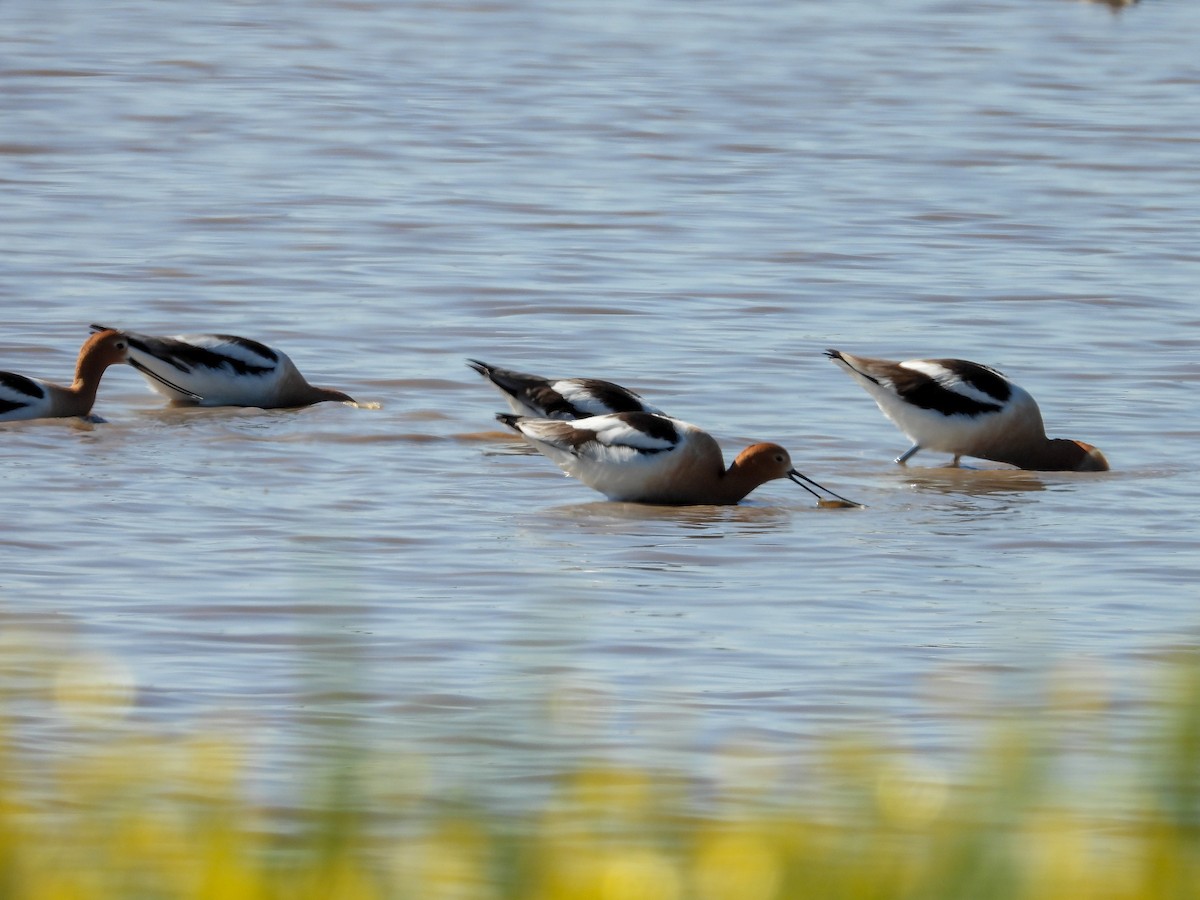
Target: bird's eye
<point>121,345</point>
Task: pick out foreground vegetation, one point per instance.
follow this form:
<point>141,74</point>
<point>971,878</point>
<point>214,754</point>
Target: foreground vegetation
<point>128,818</point>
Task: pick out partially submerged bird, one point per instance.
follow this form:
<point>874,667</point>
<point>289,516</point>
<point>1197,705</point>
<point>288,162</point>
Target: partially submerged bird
<point>32,398</point>
<point>222,370</point>
<point>966,409</point>
<point>560,398</point>
<point>646,458</point>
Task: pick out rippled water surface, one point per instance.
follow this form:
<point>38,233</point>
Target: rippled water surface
<point>693,199</point>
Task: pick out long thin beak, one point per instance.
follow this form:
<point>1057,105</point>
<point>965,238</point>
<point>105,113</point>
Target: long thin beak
<point>152,374</point>
<point>800,478</point>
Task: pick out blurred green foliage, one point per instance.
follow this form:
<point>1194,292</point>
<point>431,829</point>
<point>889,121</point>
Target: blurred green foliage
<point>122,815</point>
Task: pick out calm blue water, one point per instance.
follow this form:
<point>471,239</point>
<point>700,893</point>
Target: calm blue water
<point>690,199</point>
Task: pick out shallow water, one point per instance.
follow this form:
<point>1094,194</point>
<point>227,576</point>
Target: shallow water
<point>688,199</point>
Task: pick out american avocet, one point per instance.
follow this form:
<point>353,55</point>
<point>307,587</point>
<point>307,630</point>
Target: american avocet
<point>32,398</point>
<point>961,407</point>
<point>222,370</point>
<point>560,398</point>
<point>646,458</point>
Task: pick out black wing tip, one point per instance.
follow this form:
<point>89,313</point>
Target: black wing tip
<point>509,419</point>
<point>23,385</point>
<point>479,366</point>
<point>833,354</point>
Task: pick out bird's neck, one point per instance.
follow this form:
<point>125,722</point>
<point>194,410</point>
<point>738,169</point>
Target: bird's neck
<point>1051,455</point>
<point>88,371</point>
<point>294,390</point>
<point>737,482</point>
